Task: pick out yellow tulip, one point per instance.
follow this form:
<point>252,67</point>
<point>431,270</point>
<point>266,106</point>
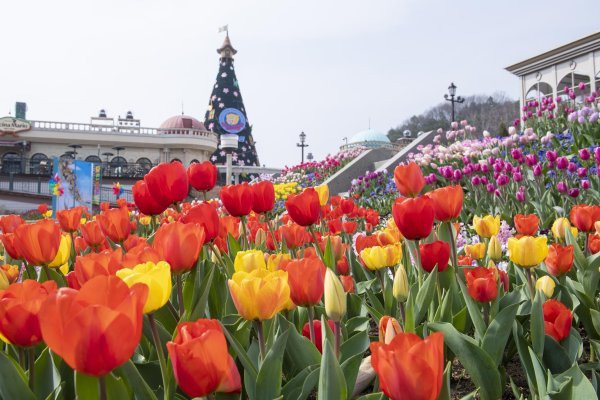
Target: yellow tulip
<point>334,297</point>
<point>48,214</point>
<point>378,257</point>
<point>494,250</point>
<point>64,251</point>
<point>323,192</point>
<point>4,283</point>
<point>145,220</point>
<point>158,279</point>
<point>274,260</point>
<point>487,226</point>
<point>260,294</point>
<point>400,287</point>
<point>528,251</point>
<point>560,226</point>
<point>546,285</point>
<point>261,237</point>
<point>476,251</point>
<point>249,260</point>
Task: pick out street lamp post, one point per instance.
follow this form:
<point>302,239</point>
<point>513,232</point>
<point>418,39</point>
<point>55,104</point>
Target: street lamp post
<point>453,98</point>
<point>75,147</point>
<point>229,143</point>
<point>302,144</point>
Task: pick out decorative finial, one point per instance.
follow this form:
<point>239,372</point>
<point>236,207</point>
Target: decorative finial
<point>226,50</point>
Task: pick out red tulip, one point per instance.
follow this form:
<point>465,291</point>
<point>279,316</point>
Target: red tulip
<point>8,241</point>
<point>583,217</point>
<point>92,233</point>
<point>435,253</point>
<point>20,310</point>
<point>482,284</point>
<point>294,235</point>
<point>306,278</point>
<point>342,266</point>
<point>38,242</point>
<point>409,179</point>
<point>447,202</point>
<point>414,217</point>
<point>594,243</point>
<point>70,219</point>
<point>559,259</point>
<point>145,201</point>
<point>90,265</point>
<point>168,183</point>
<point>526,224</point>
<point>409,367</point>
<point>350,227</point>
<point>335,226</point>
<point>201,363</point>
<point>237,199</point>
<point>347,205</point>
<point>202,176</point>
<point>318,332</point>
<point>206,216</point>
<point>42,208</point>
<point>179,244</point>
<point>115,224</point>
<point>263,197</point>
<point>9,223</point>
<point>347,283</point>
<point>97,328</point>
<point>557,319</point>
<point>304,208</point>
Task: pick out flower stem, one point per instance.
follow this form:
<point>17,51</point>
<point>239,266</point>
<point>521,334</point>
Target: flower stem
<point>160,353</point>
<point>402,314</point>
<point>245,245</point>
<point>452,245</point>
<point>261,339</point>
<point>311,325</point>
<point>315,242</point>
<point>337,333</point>
<point>31,362</point>
<point>102,388</point>
<point>486,314</point>
<point>530,283</point>
<point>419,269</point>
<point>179,294</point>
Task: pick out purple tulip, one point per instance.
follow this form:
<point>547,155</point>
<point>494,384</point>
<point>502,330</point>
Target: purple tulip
<point>531,159</point>
<point>516,154</point>
<point>551,164</point>
<point>520,196</point>
<point>497,192</point>
<point>574,192</point>
<point>448,173</point>
<point>517,177</point>
<point>562,163</point>
<point>537,170</point>
<point>581,172</point>
<point>594,117</point>
<point>571,167</point>
<point>584,154</point>
<point>585,184</point>
<point>485,168</point>
<point>484,180</point>
<point>498,167</point>
<point>476,167</point>
<point>490,187</point>
<point>597,154</point>
<point>581,119</point>
<point>502,180</point>
<point>457,175</point>
<point>581,86</point>
<point>475,181</point>
<point>508,167</point>
<point>551,155</point>
<point>562,187</point>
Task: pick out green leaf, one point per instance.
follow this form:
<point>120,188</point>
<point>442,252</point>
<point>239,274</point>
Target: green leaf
<point>47,377</point>
<point>13,383</point>
<point>582,388</point>
<point>350,369</point>
<point>425,296</point>
<point>537,324</point>
<point>538,372</point>
<point>293,388</point>
<point>300,353</point>
<point>555,357</point>
<point>328,255</point>
<point>474,311</point>
<point>357,344</point>
<point>198,309</point>
<point>309,383</point>
<point>268,381</point>
<point>357,324</point>
<point>498,332</point>
<point>372,396</point>
<point>332,384</point>
<point>130,373</point>
<point>241,354</point>
<point>233,245</point>
<point>446,392</point>
<point>480,366</point>
<point>580,260</point>
<point>86,387</point>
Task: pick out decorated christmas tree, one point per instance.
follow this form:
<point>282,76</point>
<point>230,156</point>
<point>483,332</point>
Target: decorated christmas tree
<point>226,112</point>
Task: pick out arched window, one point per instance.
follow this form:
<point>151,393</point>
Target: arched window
<point>117,166</point>
<point>94,159</point>
<point>572,81</point>
<point>598,83</point>
<point>538,90</point>
<point>39,164</point>
<point>11,163</point>
<point>144,163</point>
<point>68,155</point>
<point>176,160</point>
<point>194,161</point>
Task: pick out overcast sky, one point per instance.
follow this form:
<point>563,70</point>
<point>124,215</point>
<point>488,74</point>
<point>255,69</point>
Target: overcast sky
<point>324,67</point>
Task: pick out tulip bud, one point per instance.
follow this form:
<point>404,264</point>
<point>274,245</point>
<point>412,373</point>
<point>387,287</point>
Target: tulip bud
<point>261,237</point>
<point>560,226</point>
<point>388,329</point>
<point>400,287</point>
<point>335,297</point>
<point>546,285</point>
<point>494,250</point>
<point>597,226</point>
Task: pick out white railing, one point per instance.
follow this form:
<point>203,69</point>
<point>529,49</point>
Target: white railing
<point>132,130</point>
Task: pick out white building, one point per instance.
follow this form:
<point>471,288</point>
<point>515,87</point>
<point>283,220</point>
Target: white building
<point>570,65</point>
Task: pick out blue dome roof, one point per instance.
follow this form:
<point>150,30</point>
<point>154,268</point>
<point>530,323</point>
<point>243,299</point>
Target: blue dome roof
<point>369,135</point>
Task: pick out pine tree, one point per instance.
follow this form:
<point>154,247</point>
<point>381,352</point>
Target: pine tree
<point>226,112</point>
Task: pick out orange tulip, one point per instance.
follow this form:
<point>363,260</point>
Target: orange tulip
<point>409,179</point>
<point>92,233</point>
<point>594,243</point>
<point>388,329</point>
<point>91,265</point>
<point>11,272</point>
<point>140,254</point>
<point>179,244</point>
<point>306,278</point>
<point>337,246</point>
<point>482,283</point>
<point>97,328</point>
<point>409,367</point>
<point>237,199</point>
<point>8,241</point>
<point>447,202</point>
<point>69,219</point>
<point>294,235</point>
<point>20,311</point>
<point>9,223</point>
<point>38,242</point>
<point>559,259</point>
<point>347,283</point>
<point>583,217</point>
<point>527,224</point>
<point>229,225</point>
<point>304,208</point>
<point>201,363</point>
<point>115,224</point>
